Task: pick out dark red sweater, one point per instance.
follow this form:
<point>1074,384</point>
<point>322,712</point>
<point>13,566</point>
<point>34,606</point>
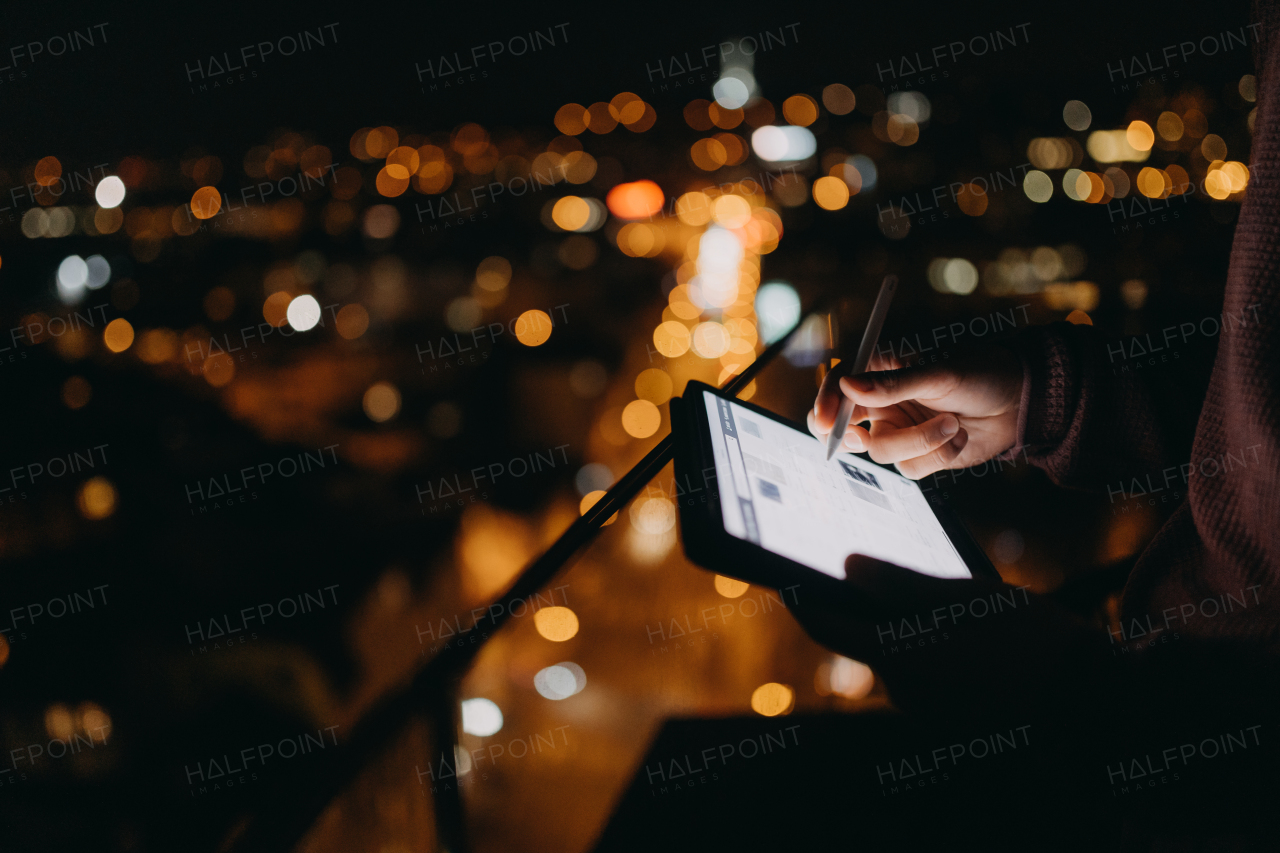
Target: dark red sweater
<point>1089,427</point>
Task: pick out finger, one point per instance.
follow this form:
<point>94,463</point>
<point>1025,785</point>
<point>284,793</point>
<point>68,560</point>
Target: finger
<point>884,388</point>
<point>895,444</point>
<point>828,400</point>
<point>880,361</point>
<point>831,394</point>
<point>820,430</point>
<point>816,430</point>
<point>894,416</point>
<point>937,460</point>
<point>878,578</point>
<point>856,439</point>
<point>840,618</point>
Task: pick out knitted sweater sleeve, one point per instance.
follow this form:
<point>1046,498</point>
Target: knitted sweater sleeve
<point>1092,422</point>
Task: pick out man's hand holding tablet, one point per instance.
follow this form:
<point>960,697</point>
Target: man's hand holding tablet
<point>973,646</point>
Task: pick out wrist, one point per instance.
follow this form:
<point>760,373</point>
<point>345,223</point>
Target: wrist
<point>1043,410</point>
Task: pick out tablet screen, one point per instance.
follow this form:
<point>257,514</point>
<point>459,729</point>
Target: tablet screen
<point>778,491</point>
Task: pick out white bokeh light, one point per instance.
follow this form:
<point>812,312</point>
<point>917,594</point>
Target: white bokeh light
<point>850,678</point>
<point>481,717</point>
<point>99,271</point>
<point>778,309</point>
<point>303,312</point>
<point>560,681</point>
<point>62,221</point>
<point>786,143</point>
<point>1077,115</point>
<point>730,92</point>
<point>769,143</point>
<point>866,168</point>
<point>911,104</point>
<point>719,255</point>
<point>960,276</point>
<point>110,192</point>
<point>654,516</point>
<point>593,476</point>
<point>1038,186</point>
<point>801,143</point>
<point>73,277</point>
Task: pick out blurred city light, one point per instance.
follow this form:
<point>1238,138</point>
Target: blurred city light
<point>783,143</point>
<point>381,402</point>
<point>560,681</point>
<point>1038,186</point>
<point>731,588</point>
<point>110,192</point>
<point>594,476</point>
<point>778,307</point>
<point>556,624</point>
<point>731,92</point>
<point>866,169</point>
<point>912,104</point>
<point>98,272</point>
<point>304,312</point>
<point>773,699</point>
<point>481,717</point>
<point>841,676</point>
<point>636,200</point>
<point>1077,116</point>
<point>72,278</point>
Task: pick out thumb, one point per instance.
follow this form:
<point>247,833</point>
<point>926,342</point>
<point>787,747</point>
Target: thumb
<point>886,387</point>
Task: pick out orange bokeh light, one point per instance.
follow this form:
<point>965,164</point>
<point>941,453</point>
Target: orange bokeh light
<point>48,171</point>
<point>571,119</point>
<point>636,200</point>
<point>206,202</point>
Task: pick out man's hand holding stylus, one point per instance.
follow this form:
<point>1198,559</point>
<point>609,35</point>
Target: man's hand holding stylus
<point>927,418</point>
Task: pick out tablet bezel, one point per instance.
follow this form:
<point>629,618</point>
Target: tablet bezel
<point>710,546</point>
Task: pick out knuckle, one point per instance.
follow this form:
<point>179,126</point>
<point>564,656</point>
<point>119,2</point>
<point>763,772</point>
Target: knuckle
<point>928,464</point>
<point>924,441</point>
<point>942,457</point>
<point>916,469</point>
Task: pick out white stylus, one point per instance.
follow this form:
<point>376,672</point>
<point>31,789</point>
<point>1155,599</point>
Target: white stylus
<point>869,338</point>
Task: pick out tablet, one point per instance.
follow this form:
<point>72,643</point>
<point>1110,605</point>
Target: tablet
<point>758,501</point>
